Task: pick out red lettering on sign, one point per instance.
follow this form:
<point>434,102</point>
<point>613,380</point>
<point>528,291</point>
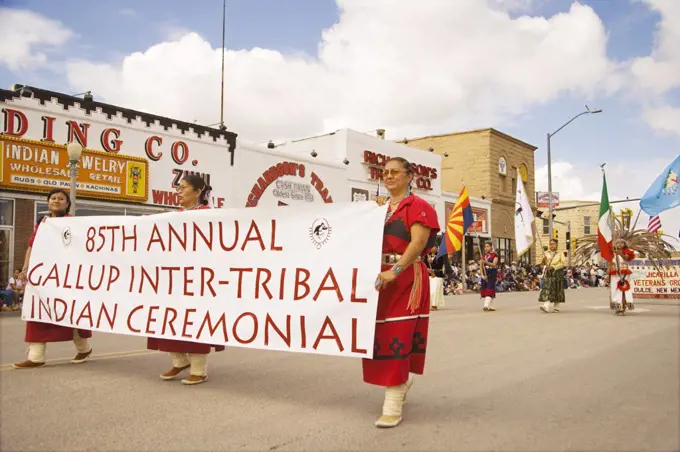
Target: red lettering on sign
<point>16,122</point>
<point>111,145</point>
<point>78,132</point>
<point>179,151</point>
<point>148,148</point>
<point>48,129</point>
<point>285,169</point>
<point>423,175</point>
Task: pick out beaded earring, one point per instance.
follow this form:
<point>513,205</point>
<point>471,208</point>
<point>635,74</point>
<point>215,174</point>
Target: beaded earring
<point>408,190</point>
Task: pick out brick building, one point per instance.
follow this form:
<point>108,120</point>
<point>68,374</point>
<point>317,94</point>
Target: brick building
<point>487,162</point>
<point>579,216</point>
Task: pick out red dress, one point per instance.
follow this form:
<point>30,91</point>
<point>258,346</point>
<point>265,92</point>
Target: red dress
<point>174,346</point>
<point>47,332</point>
<point>404,306</point>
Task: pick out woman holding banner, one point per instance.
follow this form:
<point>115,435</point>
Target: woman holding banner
<point>552,293</point>
<point>194,194</point>
<point>39,334</point>
<point>402,320</point>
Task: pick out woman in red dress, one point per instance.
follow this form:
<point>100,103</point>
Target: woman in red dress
<point>38,334</point>
<point>193,194</point>
<point>402,320</point>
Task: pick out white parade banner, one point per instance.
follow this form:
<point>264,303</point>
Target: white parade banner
<point>291,279</point>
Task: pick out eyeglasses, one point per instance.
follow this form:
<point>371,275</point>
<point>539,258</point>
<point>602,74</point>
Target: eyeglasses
<point>392,172</point>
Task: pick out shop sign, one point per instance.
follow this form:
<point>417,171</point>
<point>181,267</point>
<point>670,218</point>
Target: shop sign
<point>307,186</point>
<point>650,282</point>
<point>28,165</point>
<point>168,156</point>
<point>423,175</point>
<point>542,198</point>
<point>480,223</point>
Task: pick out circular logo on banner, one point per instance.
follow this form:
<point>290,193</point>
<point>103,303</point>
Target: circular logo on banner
<point>320,232</point>
<point>66,236</point>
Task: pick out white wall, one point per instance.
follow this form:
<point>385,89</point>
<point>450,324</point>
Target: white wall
<point>294,179</point>
<point>355,146</point>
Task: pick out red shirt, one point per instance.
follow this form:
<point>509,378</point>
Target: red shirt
<point>411,210</point>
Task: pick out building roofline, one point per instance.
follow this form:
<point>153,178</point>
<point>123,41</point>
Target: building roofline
<point>491,130</point>
<point>66,100</point>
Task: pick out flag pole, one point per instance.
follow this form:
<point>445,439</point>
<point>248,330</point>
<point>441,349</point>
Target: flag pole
<point>636,219</point>
<point>224,19</point>
<point>462,248</point>
<point>463,266</point>
<point>615,238</point>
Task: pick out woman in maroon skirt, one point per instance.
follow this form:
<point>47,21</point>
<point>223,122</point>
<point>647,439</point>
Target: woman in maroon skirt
<point>411,227</point>
<point>37,333</point>
<point>193,194</point>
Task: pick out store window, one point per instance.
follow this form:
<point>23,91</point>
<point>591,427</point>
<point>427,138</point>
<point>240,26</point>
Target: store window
<point>6,212</point>
<point>546,227</point>
<point>504,250</point>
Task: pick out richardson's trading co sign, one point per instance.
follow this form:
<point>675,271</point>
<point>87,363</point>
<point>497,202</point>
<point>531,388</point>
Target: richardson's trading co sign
<point>423,175</point>
<point>36,166</point>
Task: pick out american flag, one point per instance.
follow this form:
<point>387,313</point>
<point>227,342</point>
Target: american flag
<point>654,224</point>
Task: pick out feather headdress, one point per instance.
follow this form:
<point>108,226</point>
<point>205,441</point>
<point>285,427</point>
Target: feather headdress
<point>650,244</point>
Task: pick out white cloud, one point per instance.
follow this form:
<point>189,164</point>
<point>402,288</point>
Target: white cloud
<point>659,73</point>
<point>665,119</point>
<point>417,68</point>
<point>25,35</point>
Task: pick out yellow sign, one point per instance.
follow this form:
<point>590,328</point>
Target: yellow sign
<point>524,173</point>
<point>28,165</point>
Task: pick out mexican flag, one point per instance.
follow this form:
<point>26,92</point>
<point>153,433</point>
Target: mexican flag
<point>604,226</point>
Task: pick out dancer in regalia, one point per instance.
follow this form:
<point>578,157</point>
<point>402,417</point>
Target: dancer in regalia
<point>627,243</point>
<point>552,292</point>
<point>194,194</point>
<point>39,334</point>
<point>489,268</point>
<point>621,279</point>
<point>402,319</point>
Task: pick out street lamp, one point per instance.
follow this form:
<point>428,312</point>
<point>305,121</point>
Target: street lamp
<point>74,151</point>
<point>550,193</point>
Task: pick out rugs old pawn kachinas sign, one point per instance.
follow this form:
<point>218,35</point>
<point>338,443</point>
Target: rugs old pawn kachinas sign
<point>27,165</point>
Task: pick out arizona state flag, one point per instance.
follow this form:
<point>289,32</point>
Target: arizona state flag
<point>459,222</point>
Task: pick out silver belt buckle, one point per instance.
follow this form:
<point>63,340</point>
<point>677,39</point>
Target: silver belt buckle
<point>390,259</point>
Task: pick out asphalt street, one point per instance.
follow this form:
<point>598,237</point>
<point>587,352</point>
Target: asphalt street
<point>515,379</point>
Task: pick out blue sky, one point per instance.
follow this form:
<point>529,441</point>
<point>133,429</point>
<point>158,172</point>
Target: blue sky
<point>109,31</point>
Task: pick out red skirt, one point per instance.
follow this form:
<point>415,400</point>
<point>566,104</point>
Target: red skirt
<point>47,332</point>
<point>173,346</point>
<point>400,332</point>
